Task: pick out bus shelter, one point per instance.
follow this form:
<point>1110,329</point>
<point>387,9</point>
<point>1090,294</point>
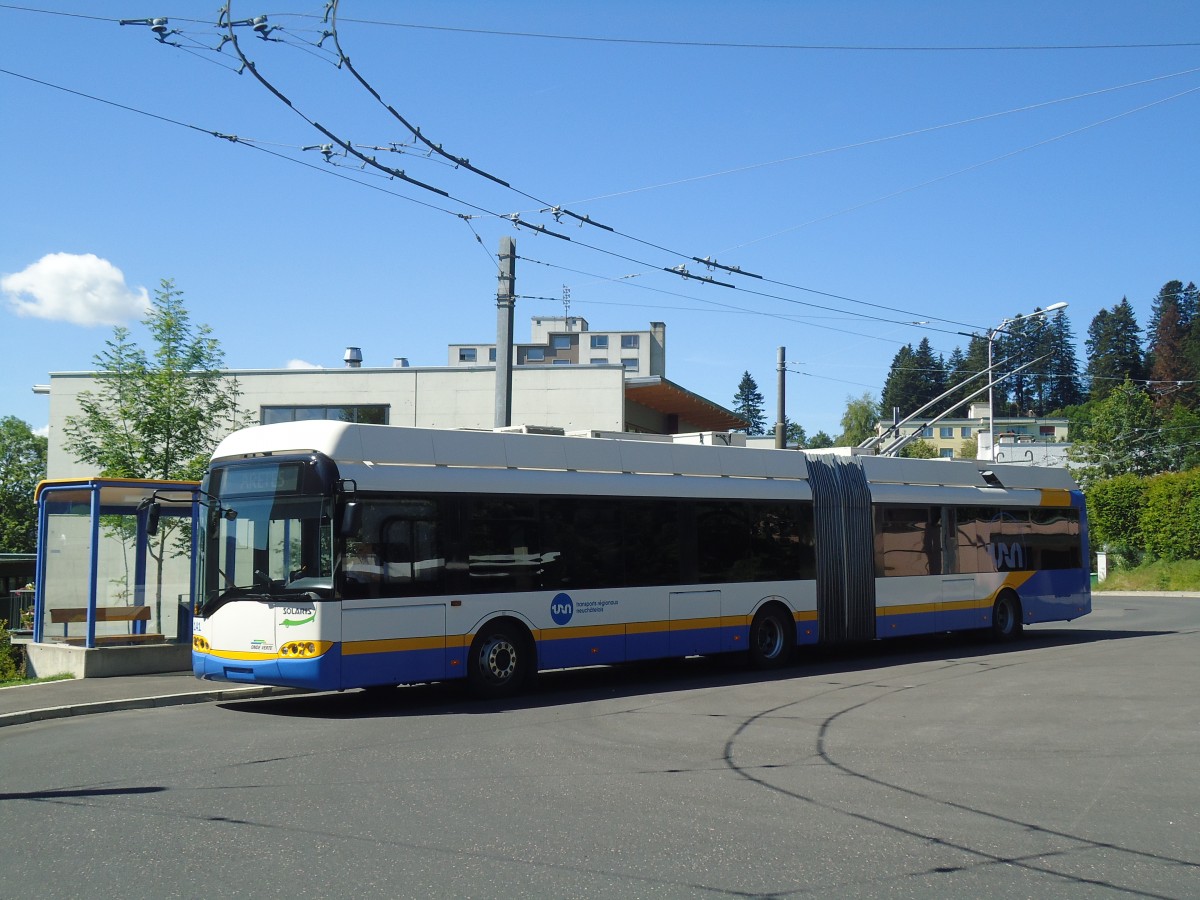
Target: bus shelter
<point>113,561</point>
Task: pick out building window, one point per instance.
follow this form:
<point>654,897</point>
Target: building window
<point>965,431</point>
<point>630,363</point>
<point>945,433</point>
<point>1046,430</point>
<point>599,341</point>
<point>629,342</point>
<point>561,362</point>
<point>362,415</point>
<point>947,453</point>
<point>599,361</point>
<point>537,354</point>
<point>926,432</point>
<point>491,354</point>
<point>466,354</point>
<point>561,342</point>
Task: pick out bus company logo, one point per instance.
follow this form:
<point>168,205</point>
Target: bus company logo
<point>561,609</point>
<point>1006,557</point>
<point>260,646</point>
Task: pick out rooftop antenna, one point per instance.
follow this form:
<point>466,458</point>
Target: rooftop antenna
<point>566,302</point>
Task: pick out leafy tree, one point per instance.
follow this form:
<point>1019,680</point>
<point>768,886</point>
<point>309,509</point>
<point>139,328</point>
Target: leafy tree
<point>1113,349</point>
<point>820,441</point>
<point>157,416</point>
<point>1124,435</point>
<point>969,448</point>
<point>22,466</point>
<point>794,434</point>
<point>859,420</point>
<point>919,449</point>
<point>748,403</point>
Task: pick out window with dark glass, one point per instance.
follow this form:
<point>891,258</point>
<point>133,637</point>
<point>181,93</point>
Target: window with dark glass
<point>372,414</point>
<point>908,540</point>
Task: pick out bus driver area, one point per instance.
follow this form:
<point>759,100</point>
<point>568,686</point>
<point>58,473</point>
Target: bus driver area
<point>366,555</point>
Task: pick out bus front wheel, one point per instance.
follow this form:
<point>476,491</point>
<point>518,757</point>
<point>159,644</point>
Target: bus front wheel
<point>772,637</point>
<point>1006,617</point>
<point>500,661</point>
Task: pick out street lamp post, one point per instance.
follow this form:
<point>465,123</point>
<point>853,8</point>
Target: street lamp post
<point>999,329</point>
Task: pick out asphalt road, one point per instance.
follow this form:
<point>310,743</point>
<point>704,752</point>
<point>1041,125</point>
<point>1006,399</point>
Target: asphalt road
<point>1065,765</point>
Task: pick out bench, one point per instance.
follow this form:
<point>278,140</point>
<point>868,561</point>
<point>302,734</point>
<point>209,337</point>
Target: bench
<point>67,615</point>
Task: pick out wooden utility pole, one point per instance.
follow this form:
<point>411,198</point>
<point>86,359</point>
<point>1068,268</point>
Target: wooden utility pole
<point>506,298</point>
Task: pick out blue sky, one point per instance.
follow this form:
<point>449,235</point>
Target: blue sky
<point>871,188</point>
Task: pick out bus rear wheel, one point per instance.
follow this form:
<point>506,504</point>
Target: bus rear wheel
<point>1006,617</point>
<point>500,661</point>
<point>772,637</point>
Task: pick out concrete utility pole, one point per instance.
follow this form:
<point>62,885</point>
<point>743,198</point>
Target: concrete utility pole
<point>506,298</point>
<point>780,416</point>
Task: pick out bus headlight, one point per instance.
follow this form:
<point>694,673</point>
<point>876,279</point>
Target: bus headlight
<point>304,649</point>
<point>200,644</point>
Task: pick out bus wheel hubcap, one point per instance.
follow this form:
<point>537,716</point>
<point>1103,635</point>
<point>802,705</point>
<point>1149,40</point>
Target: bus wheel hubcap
<point>499,659</point>
<point>770,639</point>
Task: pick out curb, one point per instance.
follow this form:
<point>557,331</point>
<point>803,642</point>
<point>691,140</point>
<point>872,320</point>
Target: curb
<point>86,709</point>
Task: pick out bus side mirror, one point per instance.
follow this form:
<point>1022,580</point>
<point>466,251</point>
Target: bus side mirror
<point>351,519</point>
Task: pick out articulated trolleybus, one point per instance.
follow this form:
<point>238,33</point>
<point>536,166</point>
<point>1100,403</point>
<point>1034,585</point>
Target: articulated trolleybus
<point>335,556</point>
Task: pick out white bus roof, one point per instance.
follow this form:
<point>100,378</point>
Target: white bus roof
<point>398,445</point>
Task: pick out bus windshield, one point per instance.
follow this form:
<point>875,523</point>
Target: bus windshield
<point>261,545</point>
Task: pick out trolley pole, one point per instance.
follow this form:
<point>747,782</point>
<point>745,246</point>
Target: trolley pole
<point>780,417</point>
<point>505,304</point>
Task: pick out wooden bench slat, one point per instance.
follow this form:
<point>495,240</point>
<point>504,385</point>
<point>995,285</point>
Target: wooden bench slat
<point>103,614</point>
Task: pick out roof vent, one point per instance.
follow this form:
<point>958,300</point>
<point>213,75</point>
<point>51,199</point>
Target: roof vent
<point>400,362</point>
<point>353,358</point>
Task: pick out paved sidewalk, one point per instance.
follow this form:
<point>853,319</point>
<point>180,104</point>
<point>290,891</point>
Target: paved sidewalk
<point>83,696</point>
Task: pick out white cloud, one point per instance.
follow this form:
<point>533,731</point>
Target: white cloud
<point>302,364</point>
<point>44,431</point>
<point>78,288</point>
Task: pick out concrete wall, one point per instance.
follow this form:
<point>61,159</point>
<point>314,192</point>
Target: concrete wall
<point>574,398</point>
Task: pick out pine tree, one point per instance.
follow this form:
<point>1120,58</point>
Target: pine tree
<point>1113,349</point>
<point>901,387</point>
<point>748,403</point>
<point>1167,361</point>
<point>1064,388</point>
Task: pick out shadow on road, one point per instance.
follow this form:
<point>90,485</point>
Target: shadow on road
<point>571,686</point>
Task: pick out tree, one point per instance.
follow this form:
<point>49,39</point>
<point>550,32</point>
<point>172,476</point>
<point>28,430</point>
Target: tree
<point>916,377</point>
<point>794,434</point>
<point>1125,435</point>
<point>157,416</point>
<point>1113,349</point>
<point>1064,387</point>
<point>1167,337</point>
<point>859,420</point>
<point>820,441</point>
<point>919,449</point>
<point>748,403</point>
<point>22,466</point>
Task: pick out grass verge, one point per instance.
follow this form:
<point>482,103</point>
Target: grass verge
<point>1183,575</point>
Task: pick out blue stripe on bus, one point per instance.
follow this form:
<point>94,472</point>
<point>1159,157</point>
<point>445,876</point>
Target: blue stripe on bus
<point>319,672</point>
<point>335,669</point>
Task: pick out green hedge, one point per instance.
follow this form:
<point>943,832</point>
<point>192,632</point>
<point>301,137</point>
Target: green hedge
<point>1171,519</point>
<point>1158,516</point>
